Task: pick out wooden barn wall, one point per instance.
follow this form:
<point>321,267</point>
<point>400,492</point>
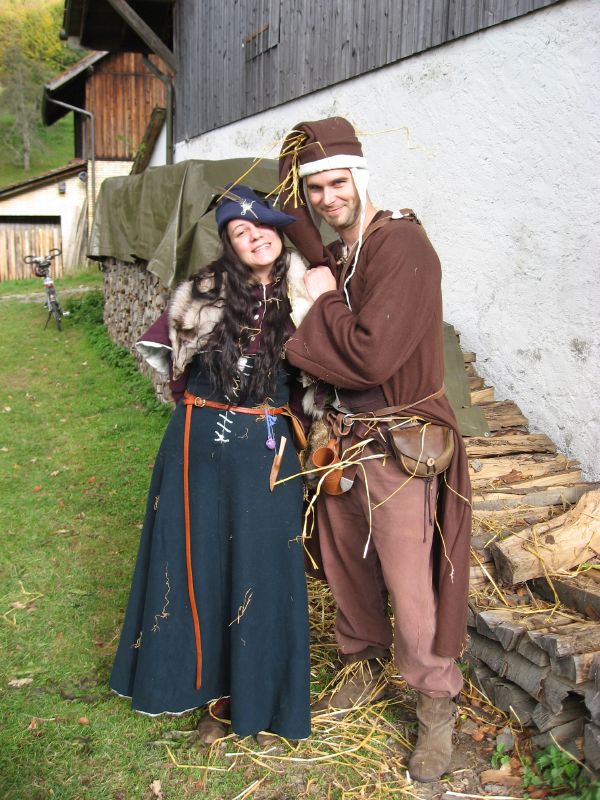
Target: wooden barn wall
<point>27,236</point>
<point>238,57</point>
<point>122,92</point>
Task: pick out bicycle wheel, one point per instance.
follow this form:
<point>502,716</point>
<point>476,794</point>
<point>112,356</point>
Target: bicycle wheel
<point>57,313</point>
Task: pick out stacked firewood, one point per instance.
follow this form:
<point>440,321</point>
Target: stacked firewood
<point>534,616</point>
<point>133,299</point>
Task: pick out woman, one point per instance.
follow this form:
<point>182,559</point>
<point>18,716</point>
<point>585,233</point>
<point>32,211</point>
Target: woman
<point>218,603</point>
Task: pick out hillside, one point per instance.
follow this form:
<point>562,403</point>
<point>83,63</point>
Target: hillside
<point>30,54</point>
<point>56,149</point>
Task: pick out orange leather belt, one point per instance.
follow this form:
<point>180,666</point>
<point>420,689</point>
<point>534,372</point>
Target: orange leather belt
<point>191,401</point>
<point>202,402</point>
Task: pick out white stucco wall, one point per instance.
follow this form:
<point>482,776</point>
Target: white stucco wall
<point>501,164</point>
<point>159,154</point>
<point>104,170</point>
<point>47,201</point>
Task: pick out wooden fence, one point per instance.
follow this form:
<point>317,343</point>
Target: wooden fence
<point>20,237</point>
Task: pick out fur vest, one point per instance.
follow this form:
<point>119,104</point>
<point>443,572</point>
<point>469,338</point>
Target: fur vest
<point>192,320</point>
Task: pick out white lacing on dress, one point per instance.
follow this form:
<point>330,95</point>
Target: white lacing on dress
<point>244,367</point>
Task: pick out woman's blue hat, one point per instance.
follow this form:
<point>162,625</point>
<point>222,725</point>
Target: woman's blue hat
<point>240,202</point>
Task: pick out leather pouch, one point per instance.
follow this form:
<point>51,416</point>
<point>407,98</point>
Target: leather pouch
<point>422,450</point>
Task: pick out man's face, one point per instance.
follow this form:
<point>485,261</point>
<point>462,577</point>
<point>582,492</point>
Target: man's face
<point>334,198</point>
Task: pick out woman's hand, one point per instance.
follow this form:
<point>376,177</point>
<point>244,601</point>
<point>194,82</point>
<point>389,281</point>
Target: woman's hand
<point>319,280</point>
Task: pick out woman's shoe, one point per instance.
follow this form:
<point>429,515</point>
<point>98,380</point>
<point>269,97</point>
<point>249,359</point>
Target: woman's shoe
<point>210,729</point>
<point>268,739</point>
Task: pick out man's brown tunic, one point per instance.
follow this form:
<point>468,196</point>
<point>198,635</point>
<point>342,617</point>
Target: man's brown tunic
<point>392,337</point>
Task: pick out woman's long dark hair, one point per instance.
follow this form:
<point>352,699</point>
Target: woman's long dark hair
<point>231,336</point>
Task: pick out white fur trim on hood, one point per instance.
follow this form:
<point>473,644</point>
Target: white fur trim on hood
<point>297,292</point>
<point>340,161</point>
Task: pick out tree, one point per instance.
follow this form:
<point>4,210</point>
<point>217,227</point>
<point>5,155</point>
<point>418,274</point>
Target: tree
<point>30,53</point>
<point>21,99</point>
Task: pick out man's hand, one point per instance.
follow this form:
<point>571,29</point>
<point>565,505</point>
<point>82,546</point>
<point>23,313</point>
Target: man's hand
<point>319,280</point>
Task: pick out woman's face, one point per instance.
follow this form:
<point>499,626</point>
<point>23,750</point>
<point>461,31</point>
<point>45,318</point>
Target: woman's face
<point>257,246</point>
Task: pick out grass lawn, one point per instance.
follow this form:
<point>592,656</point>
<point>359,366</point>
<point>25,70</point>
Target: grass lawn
<point>75,458</point>
<point>87,276</point>
<point>78,435</point>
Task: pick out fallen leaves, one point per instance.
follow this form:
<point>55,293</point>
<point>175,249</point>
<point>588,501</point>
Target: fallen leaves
<point>480,733</point>
<point>503,776</point>
<point>156,790</point>
<point>18,683</point>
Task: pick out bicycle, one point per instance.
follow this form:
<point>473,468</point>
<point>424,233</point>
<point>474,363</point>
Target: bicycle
<point>40,266</point>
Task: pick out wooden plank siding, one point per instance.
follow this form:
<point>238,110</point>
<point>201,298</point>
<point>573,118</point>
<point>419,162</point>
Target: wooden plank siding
<point>122,93</point>
<point>308,45</point>
<point>20,237</point>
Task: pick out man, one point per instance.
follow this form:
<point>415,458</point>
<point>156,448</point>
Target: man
<point>375,334</point>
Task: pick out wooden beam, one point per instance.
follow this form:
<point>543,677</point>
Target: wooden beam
<point>592,701</point>
<point>479,576</point>
<point>145,32</point>
<point>532,652</point>
<point>581,593</point>
<point>554,692</point>
<point>483,395</point>
<point>528,676</point>
<point>567,732</point>
<point>592,746</point>
<point>510,630</point>
<point>556,495</point>
<point>575,667</point>
<point>487,524</point>
<point>486,446</point>
<point>508,665</point>
<point>572,708</point>
<point>528,469</point>
<point>513,700</point>
<point>579,637</point>
<point>501,414</point>
<point>562,543</point>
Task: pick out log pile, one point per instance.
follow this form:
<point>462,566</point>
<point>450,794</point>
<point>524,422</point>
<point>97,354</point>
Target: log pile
<point>534,611</point>
<point>133,299</point>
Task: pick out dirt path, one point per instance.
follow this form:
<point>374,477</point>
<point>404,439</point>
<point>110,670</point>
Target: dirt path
<point>35,297</point>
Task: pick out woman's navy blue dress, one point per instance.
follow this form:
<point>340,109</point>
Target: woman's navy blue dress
<point>248,574</point>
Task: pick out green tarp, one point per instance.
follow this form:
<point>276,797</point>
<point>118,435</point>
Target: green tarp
<point>162,216</point>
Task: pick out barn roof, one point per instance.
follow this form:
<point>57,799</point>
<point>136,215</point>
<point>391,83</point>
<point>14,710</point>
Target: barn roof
<point>68,87</point>
<point>51,176</point>
<point>119,26</point>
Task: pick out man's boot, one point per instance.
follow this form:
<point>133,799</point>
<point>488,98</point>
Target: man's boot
<point>431,756</point>
<point>359,683</point>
